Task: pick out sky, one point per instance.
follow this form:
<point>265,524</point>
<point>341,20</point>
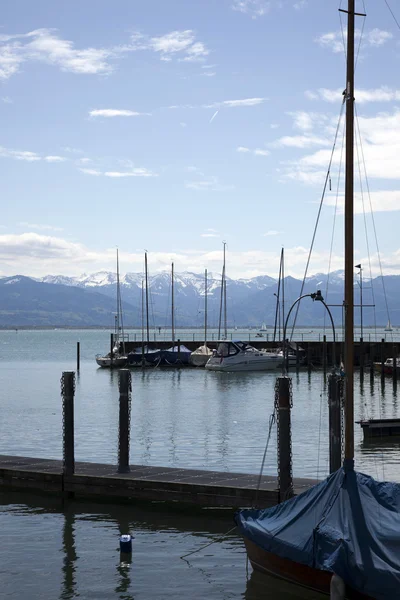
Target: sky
<point>172,126</point>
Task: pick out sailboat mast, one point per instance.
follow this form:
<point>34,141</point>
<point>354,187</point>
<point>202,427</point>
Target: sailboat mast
<point>117,297</point>
<point>142,312</point>
<point>283,291</point>
<point>146,274</point>
<point>172,306</point>
<point>222,296</point>
<point>349,240</point>
<point>225,318</point>
<point>205,308</point>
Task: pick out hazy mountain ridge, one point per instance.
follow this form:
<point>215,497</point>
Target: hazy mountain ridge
<point>89,300</point>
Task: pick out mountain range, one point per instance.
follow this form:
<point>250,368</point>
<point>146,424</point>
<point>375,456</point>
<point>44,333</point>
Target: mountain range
<point>90,300</point>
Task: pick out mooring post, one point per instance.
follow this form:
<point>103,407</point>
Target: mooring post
<point>382,357</point>
<point>394,354</point>
<point>67,393</point>
<point>283,401</point>
<point>124,420</point>
<point>179,349</point>
<point>78,356</point>
<point>335,446</point>
<point>297,356</point>
<point>309,363</point>
<point>324,353</point>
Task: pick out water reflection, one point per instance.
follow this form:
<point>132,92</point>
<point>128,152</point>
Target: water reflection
<point>70,556</point>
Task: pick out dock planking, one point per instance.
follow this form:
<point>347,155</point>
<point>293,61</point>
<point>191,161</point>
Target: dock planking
<point>153,483</point>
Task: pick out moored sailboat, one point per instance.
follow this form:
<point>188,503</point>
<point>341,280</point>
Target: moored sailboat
<point>349,524</point>
<point>200,356</point>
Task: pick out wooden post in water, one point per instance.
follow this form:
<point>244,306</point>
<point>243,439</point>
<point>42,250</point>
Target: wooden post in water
<point>297,357</point>
<point>335,430</point>
<point>67,393</point>
<point>324,361</point>
<point>78,356</point>
<point>179,349</point>
<point>382,357</point>
<point>284,438</point>
<point>124,420</point>
<point>394,354</point>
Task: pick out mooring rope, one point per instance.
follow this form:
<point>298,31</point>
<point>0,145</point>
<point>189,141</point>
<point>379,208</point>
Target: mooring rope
<point>219,539</point>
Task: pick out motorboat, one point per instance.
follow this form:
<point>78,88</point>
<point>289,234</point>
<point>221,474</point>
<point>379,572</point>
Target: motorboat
<point>240,356</point>
<point>387,366</point>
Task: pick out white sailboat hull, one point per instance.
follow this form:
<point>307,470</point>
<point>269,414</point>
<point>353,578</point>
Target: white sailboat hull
<point>200,356</point>
<point>111,363</point>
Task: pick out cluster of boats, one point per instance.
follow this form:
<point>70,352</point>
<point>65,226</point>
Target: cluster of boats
<point>228,356</point>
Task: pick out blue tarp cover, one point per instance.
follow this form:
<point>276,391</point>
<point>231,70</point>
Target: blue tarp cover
<point>348,524</point>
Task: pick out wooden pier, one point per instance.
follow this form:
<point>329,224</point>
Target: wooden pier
<point>102,482</point>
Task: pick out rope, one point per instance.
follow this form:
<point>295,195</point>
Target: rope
<point>318,216</point>
<point>392,13</point>
<point>209,544</point>
<point>272,420</point>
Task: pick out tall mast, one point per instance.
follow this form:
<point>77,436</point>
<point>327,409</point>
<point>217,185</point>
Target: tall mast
<point>277,306</point>
<point>142,312</point>
<point>205,308</point>
<point>172,307</point>
<point>147,299</point>
<point>117,297</point>
<point>225,320</point>
<point>283,292</point>
<point>349,241</point>
<point>222,296</point>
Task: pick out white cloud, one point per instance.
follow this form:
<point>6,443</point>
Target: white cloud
<point>381,148</point>
<point>134,172</point>
<point>236,103</point>
<point>274,126</point>
<point>254,8</point>
<point>94,172</point>
<point>381,94</point>
<point>183,124</point>
<point>301,141</point>
<point>209,235</point>
<point>208,183</point>
<point>300,4</point>
<point>181,44</point>
<point>19,154</point>
<point>208,66</point>
<point>272,232</point>
<point>45,46</point>
<point>381,201</point>
<point>84,160</point>
<point>37,255</point>
<point>54,159</point>
<point>334,39</point>
<point>115,112</point>
<point>261,152</point>
<point>72,150</point>
<point>256,151</point>
<point>39,227</point>
<point>6,100</point>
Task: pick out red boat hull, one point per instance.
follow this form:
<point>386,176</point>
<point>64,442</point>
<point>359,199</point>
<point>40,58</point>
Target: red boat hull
<point>314,579</point>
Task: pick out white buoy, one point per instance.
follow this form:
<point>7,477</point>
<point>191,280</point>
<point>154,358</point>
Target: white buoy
<point>337,588</point>
<point>125,544</point>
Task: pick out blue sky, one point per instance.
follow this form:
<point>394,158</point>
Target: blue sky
<point>173,125</point>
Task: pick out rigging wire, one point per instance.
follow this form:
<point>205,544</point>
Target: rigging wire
<point>372,216</point>
<point>392,13</point>
<point>272,420</point>
<point>334,220</point>
<point>318,215</point>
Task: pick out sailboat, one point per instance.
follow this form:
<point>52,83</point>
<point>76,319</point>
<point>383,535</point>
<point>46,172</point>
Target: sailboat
<point>200,356</point>
<point>389,326</point>
<point>116,358</point>
<point>348,526</point>
<point>178,354</point>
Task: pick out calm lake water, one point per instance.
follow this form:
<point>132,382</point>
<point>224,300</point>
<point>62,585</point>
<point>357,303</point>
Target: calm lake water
<point>188,418</point>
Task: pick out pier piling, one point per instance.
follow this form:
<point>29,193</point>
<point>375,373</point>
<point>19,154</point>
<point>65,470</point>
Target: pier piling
<point>68,393</point>
<point>112,348</point>
<point>362,359</point>
<point>382,358</point>
<point>324,358</point>
<point>335,446</point>
<point>124,376</point>
<point>394,354</point>
<point>283,400</point>
<point>78,356</point>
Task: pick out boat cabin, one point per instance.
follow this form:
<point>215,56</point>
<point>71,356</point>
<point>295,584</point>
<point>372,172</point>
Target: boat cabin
<point>231,348</point>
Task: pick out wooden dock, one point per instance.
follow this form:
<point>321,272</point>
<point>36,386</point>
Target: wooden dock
<point>102,482</point>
